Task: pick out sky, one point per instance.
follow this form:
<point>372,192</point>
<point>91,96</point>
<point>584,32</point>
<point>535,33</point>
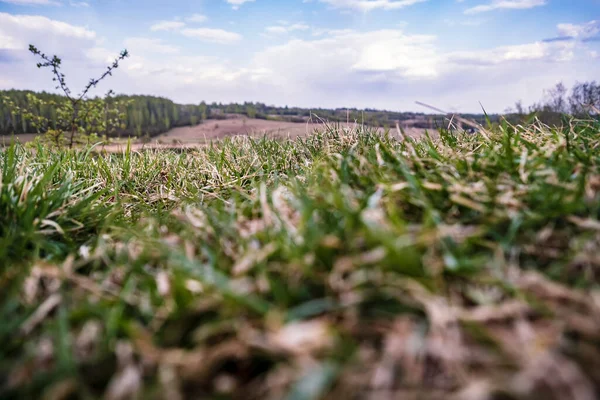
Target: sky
<point>459,55</point>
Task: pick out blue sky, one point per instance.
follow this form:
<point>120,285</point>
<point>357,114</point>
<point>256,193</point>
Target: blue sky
<point>331,53</point>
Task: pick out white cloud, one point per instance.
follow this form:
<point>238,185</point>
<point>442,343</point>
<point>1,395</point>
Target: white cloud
<point>582,31</point>
<point>212,35</point>
<point>8,42</point>
<point>100,55</point>
<point>177,23</point>
<point>464,22</point>
<point>188,75</point>
<point>75,45</point>
<point>507,5</point>
<point>332,32</point>
<point>276,29</point>
<point>18,31</point>
<point>370,5</point>
<point>407,56</point>
<point>141,45</point>
<point>167,26</point>
<point>197,18</point>
<point>391,54</point>
<point>348,60</point>
<point>235,4</point>
<point>286,28</point>
<point>391,69</point>
<point>543,51</point>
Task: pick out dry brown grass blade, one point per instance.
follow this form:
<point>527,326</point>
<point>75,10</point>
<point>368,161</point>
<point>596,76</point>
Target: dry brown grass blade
<point>538,285</point>
<point>253,257</point>
<point>585,223</point>
<point>509,310</point>
<point>125,385</point>
<point>41,313</point>
<point>400,133</point>
<point>83,282</point>
<point>460,119</point>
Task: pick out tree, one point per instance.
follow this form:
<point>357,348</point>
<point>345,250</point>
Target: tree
<point>203,110</point>
<point>250,110</point>
<point>77,115</point>
<point>556,99</point>
<point>585,98</point>
<point>519,109</point>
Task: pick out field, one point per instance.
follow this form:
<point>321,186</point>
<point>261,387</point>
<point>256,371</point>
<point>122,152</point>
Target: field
<point>215,130</point>
<point>218,129</point>
<point>340,264</point>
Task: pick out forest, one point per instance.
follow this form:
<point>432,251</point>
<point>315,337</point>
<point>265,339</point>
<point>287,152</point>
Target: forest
<point>143,115</point>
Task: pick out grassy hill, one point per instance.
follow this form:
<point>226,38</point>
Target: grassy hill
<point>344,265</point>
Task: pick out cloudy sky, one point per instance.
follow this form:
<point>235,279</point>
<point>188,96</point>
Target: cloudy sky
<point>331,53</point>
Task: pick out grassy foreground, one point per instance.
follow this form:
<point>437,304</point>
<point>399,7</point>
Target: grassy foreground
<point>345,265</point>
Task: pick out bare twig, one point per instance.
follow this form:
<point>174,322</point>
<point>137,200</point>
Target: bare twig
<point>54,63</point>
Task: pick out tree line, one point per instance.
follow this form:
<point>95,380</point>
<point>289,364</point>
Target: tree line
<point>368,116</point>
<point>582,101</point>
<point>151,115</point>
<point>141,115</point>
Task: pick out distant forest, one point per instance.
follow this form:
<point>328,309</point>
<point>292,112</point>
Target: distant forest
<point>150,116</point>
<point>144,115</point>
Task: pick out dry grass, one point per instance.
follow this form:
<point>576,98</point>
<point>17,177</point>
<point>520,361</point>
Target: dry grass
<point>345,265</point>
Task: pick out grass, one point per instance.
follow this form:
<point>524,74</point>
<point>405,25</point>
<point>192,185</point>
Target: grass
<point>347,264</point>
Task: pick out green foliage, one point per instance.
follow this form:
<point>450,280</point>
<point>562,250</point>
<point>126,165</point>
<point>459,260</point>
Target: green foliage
<point>65,123</point>
<point>131,115</point>
<point>45,211</point>
<point>74,118</point>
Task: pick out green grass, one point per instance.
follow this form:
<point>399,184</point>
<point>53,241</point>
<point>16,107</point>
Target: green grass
<point>342,265</point>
